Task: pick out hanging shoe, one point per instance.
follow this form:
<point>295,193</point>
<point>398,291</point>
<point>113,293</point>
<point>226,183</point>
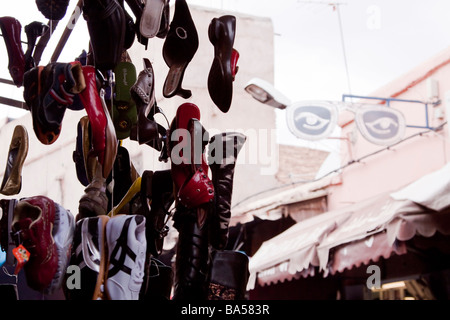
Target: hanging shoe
<point>103,135</point>
<point>82,147</point>
<point>94,201</point>
<point>192,257</point>
<point>106,23</point>
<point>126,243</point>
<point>121,181</point>
<point>18,150</point>
<point>53,9</point>
<point>137,6</point>
<point>147,130</point>
<point>33,31</point>
<point>63,231</point>
<point>48,91</point>
<point>124,113</point>
<point>223,152</point>
<point>158,281</point>
<point>11,31</point>
<point>165,21</point>
<point>151,18</point>
<point>44,228</point>
<point>179,48</point>
<point>221,33</point>
<point>130,27</point>
<point>189,169</point>
<point>156,200</point>
<point>228,276</point>
<point>89,254</point>
<point>7,243</point>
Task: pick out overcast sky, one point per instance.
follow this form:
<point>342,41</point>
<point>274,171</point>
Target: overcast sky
<point>381,39</point>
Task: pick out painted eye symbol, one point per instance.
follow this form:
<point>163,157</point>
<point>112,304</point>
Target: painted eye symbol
<point>384,125</point>
<point>311,121</point>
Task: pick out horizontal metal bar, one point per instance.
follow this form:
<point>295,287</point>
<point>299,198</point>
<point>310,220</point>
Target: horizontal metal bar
<point>7,81</point>
<point>13,103</point>
<point>383,99</point>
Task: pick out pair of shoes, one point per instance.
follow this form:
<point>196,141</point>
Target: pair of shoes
<point>48,91</point>
<point>11,32</point>
<point>179,48</point>
<point>192,185</point>
<point>53,9</point>
<point>18,150</point>
<point>111,255</point>
<point>45,229</point>
<point>221,33</point>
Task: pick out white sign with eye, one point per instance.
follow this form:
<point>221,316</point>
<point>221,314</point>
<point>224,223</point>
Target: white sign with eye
<point>380,125</point>
<point>311,120</point>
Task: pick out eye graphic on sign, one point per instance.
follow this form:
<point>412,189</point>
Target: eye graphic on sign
<point>380,125</point>
<point>311,120</point>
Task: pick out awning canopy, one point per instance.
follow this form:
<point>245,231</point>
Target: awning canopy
<point>359,233</point>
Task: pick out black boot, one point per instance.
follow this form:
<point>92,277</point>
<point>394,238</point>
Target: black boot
<point>192,256</point>
<point>223,151</point>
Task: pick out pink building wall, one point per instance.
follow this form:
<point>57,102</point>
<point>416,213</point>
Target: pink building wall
<point>407,161</point>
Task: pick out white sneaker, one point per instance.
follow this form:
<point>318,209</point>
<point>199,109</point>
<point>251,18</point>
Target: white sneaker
<point>63,230</point>
<point>127,245</point>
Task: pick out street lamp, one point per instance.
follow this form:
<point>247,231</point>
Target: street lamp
<point>265,93</point>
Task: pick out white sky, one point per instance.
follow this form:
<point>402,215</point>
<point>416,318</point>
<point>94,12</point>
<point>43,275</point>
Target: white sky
<point>383,40</point>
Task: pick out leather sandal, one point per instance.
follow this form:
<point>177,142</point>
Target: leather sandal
<point>11,31</point>
<point>179,48</point>
<point>106,23</point>
<point>18,150</point>
<point>221,33</point>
